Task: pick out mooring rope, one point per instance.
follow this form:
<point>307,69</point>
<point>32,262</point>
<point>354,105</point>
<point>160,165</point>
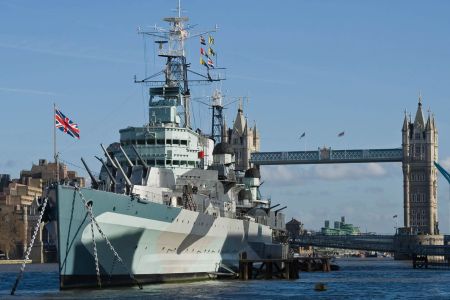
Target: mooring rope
<point>27,254</point>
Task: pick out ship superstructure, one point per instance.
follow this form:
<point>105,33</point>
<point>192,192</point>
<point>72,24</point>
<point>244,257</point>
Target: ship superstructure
<point>168,204</point>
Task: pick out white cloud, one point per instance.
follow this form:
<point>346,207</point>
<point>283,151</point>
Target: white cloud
<point>295,175</point>
<point>8,164</point>
<point>27,91</point>
<point>446,163</point>
<point>72,53</point>
<point>344,172</point>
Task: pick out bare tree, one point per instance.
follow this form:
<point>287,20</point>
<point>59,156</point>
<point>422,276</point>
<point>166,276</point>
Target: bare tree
<point>11,231</point>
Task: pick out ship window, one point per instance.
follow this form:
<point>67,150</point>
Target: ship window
<point>160,163</point>
<point>176,162</point>
<point>150,162</point>
<point>183,163</point>
<point>191,163</point>
<point>176,141</point>
<point>168,162</point>
<point>183,142</point>
<point>169,142</point>
<point>141,142</point>
<point>160,141</point>
<point>151,141</point>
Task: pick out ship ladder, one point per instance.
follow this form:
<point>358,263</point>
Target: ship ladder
<point>27,253</point>
<point>88,207</point>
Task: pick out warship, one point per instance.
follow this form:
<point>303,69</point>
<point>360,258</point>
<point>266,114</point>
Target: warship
<point>168,203</point>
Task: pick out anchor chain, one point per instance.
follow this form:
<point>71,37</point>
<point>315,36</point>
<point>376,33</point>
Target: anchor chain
<point>113,250</point>
<point>97,269</point>
<point>112,268</point>
<point>27,254</point>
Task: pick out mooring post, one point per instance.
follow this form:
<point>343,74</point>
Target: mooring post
<point>296,269</point>
<point>287,269</point>
<point>308,266</point>
<point>269,270</point>
<point>250,270</point>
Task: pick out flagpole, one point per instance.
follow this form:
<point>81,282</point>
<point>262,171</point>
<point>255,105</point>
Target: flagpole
<point>55,154</point>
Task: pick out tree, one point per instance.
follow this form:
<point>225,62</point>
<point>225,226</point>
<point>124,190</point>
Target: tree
<point>11,231</point>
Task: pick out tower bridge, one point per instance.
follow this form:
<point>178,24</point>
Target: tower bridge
<point>418,154</point>
<point>327,156</point>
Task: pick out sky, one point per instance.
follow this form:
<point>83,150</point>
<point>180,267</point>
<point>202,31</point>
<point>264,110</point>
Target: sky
<point>319,67</point>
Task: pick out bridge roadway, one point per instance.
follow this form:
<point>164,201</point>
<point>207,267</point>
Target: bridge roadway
<point>379,243</point>
<point>327,156</point>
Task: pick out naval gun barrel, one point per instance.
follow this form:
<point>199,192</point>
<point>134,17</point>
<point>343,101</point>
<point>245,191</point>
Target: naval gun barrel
<point>126,156</point>
<point>280,209</point>
<point>274,206</point>
<point>94,183</point>
<point>127,180</point>
<point>139,157</point>
<point>107,170</point>
<point>108,157</point>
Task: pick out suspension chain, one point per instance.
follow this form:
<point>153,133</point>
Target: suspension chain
<point>113,250</point>
<point>27,254</point>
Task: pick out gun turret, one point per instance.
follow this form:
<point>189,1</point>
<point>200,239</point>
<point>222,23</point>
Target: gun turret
<point>94,183</point>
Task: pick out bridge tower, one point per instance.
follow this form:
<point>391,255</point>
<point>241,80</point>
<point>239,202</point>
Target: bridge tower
<point>420,151</point>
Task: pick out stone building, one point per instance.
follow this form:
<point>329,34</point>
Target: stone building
<point>420,151</point>
<point>19,207</point>
<point>243,139</point>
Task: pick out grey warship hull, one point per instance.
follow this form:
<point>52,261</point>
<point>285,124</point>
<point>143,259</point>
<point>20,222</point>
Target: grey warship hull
<point>157,243</point>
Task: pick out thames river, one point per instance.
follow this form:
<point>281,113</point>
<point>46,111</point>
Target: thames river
<point>370,278</point>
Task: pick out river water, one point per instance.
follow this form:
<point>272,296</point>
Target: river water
<point>370,278</point>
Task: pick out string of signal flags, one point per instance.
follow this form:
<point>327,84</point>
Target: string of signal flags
<point>207,54</point>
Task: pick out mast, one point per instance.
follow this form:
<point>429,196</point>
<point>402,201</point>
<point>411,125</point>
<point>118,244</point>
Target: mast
<point>217,117</point>
<point>175,87</point>
<point>55,153</point>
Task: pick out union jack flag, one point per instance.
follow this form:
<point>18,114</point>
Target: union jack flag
<point>66,125</point>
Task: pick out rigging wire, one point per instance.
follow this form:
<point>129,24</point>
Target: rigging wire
<point>76,166</point>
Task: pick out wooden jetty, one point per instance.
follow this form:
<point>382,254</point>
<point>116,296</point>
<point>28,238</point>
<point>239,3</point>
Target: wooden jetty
<point>289,268</point>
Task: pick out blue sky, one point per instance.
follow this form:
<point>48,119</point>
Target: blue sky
<point>319,67</point>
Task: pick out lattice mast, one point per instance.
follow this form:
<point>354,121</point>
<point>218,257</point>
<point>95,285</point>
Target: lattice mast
<point>217,117</point>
